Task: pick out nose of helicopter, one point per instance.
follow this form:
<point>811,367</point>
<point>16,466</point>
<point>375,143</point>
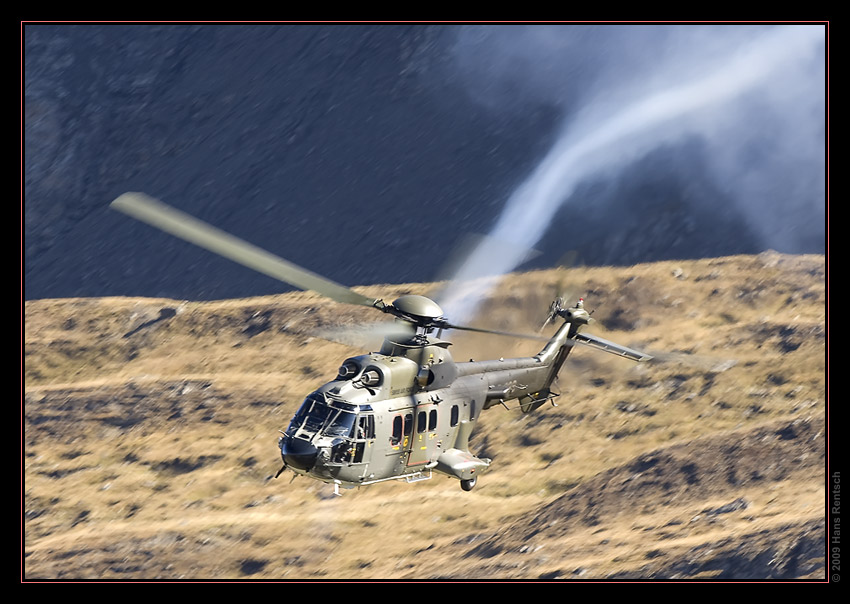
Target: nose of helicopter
<point>299,454</point>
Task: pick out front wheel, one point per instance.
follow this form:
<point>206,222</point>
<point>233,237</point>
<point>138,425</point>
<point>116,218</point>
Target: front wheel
<point>467,485</point>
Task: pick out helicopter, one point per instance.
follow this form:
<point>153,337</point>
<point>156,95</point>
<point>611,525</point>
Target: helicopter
<point>408,410</point>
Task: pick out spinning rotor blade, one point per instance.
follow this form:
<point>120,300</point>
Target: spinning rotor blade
<point>494,332</point>
<point>556,305</point>
<point>565,293</point>
<point>363,336</point>
<point>583,339</point>
<point>188,228</point>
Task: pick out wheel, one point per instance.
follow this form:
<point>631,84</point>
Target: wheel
<point>467,485</point>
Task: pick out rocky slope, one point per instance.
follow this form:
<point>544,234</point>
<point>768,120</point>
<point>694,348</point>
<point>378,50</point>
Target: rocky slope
<point>149,430</point>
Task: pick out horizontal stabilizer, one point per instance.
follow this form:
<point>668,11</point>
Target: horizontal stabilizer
<point>613,348</point>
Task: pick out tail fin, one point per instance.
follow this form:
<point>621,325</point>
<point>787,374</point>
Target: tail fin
<point>558,349</point>
<point>553,356</point>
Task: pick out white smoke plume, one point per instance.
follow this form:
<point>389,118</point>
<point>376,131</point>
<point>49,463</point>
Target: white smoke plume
<point>755,95</point>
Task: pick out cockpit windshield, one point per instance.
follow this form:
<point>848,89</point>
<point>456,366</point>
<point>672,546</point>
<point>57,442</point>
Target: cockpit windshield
<point>341,425</point>
<point>298,418</point>
<point>315,415</point>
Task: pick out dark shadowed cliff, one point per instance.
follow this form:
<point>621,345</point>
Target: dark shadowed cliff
<point>367,152</point>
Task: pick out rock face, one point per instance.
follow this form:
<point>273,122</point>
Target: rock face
<point>357,151</point>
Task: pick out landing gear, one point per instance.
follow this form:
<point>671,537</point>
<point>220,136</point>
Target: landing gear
<point>467,485</point>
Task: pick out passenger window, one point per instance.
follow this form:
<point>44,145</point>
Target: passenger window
<point>455,415</point>
<point>397,430</point>
<point>432,420</point>
<point>421,422</point>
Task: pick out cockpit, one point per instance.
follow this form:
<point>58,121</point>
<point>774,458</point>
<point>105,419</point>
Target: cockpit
<point>327,430</point>
<point>332,434</point>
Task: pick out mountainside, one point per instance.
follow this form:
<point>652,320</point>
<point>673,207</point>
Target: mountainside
<point>366,152</point>
<point>150,428</point>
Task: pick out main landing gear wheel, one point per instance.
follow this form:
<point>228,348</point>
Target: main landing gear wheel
<point>467,485</point>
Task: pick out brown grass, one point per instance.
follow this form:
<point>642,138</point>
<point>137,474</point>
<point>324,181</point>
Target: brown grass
<point>150,429</point>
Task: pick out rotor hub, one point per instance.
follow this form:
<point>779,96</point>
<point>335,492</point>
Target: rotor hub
<point>418,308</point>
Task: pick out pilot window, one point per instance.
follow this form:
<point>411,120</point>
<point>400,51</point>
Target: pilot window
<point>302,413</point>
<point>365,427</point>
<point>342,424</point>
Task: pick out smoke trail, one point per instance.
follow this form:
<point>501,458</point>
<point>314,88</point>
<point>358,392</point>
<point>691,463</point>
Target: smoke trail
<point>594,143</point>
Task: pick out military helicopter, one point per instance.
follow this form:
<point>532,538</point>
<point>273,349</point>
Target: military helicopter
<point>407,410</point>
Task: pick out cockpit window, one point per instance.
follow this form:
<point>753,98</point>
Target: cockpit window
<point>300,415</point>
<point>311,416</point>
<point>365,427</point>
<point>315,415</point>
<point>341,425</point>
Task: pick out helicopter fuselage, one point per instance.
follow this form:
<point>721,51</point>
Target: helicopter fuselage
<point>409,409</point>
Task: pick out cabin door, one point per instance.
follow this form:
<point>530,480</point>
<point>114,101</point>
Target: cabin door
<point>423,445</point>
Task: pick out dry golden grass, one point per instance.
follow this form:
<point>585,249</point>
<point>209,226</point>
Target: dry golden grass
<point>150,430</point>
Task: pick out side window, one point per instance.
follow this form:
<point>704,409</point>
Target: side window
<point>432,420</point>
<point>421,422</point>
<point>455,415</point>
<point>366,427</point>
<point>408,424</point>
<point>398,426</point>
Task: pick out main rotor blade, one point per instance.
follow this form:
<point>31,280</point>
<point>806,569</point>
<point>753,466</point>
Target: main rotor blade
<point>189,228</point>
<point>364,335</point>
<point>509,334</point>
<point>584,339</point>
